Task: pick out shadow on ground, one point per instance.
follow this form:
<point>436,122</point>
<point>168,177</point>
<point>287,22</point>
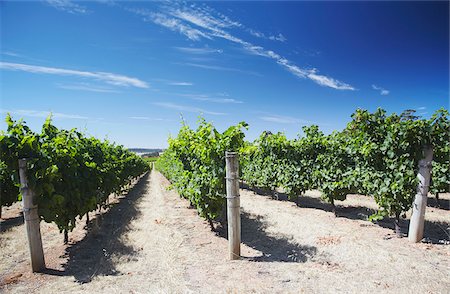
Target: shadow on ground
<point>273,248</point>
<point>9,223</point>
<point>434,232</point>
<point>441,203</point>
<point>92,256</point>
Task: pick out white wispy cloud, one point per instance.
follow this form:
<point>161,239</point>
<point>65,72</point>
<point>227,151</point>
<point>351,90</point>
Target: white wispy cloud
<point>261,35</point>
<point>86,87</point>
<point>173,83</point>
<point>328,81</point>
<point>278,37</point>
<point>218,100</point>
<point>197,23</point>
<point>148,118</point>
<point>170,23</point>
<point>201,59</point>
<point>220,68</point>
<point>203,17</point>
<point>12,54</point>
<point>43,114</point>
<point>110,78</point>
<point>211,98</point>
<point>421,108</point>
<point>140,117</point>
<point>16,55</point>
<point>383,91</point>
<point>180,83</point>
<point>256,33</point>
<point>199,51</point>
<point>186,108</point>
<point>68,6</point>
<point>282,119</point>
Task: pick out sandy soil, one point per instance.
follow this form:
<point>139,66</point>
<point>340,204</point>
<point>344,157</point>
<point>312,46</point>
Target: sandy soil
<point>151,242</point>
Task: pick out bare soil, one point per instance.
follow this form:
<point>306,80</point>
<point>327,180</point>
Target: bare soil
<point>150,241</point>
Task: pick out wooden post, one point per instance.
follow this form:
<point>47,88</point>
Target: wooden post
<point>416,224</point>
<point>233,205</point>
<point>31,217</point>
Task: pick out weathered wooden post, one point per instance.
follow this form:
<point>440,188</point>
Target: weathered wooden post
<point>31,217</point>
<point>233,205</point>
<point>416,224</point>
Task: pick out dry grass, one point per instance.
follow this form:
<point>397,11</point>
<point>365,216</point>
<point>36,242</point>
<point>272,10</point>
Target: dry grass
<point>151,242</point>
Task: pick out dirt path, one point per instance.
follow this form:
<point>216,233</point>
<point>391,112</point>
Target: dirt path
<point>151,242</point>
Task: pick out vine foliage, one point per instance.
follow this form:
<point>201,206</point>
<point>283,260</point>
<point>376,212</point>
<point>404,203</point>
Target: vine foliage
<point>195,164</point>
<point>376,154</point>
<point>71,174</point>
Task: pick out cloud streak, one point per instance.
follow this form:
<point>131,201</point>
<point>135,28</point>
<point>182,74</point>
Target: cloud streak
<point>198,51</point>
<point>174,83</point>
<point>12,54</point>
<point>68,6</point>
<point>180,84</point>
<point>383,91</point>
<point>109,78</point>
<point>282,119</point>
<point>186,108</point>
<point>209,98</point>
<point>221,68</point>
<point>44,114</point>
<point>170,23</point>
<point>279,37</point>
<point>86,87</point>
<point>148,118</point>
<point>198,23</point>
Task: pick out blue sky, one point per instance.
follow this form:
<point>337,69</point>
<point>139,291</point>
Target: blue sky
<point>127,70</point>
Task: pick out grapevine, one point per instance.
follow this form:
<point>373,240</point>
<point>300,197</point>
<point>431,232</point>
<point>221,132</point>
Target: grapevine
<point>195,164</point>
<point>70,174</point>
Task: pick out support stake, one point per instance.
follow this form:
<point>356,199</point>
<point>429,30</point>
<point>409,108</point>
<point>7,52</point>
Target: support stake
<point>416,224</point>
<point>233,205</point>
<point>32,221</point>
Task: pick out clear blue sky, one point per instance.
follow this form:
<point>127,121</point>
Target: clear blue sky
<point>126,70</point>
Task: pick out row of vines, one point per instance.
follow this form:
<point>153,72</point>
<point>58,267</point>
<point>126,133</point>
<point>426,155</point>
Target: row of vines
<point>70,174</point>
<point>376,155</point>
<point>195,165</point>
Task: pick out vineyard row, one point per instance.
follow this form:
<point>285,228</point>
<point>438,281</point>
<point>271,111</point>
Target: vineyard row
<point>376,155</point>
<point>69,173</point>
